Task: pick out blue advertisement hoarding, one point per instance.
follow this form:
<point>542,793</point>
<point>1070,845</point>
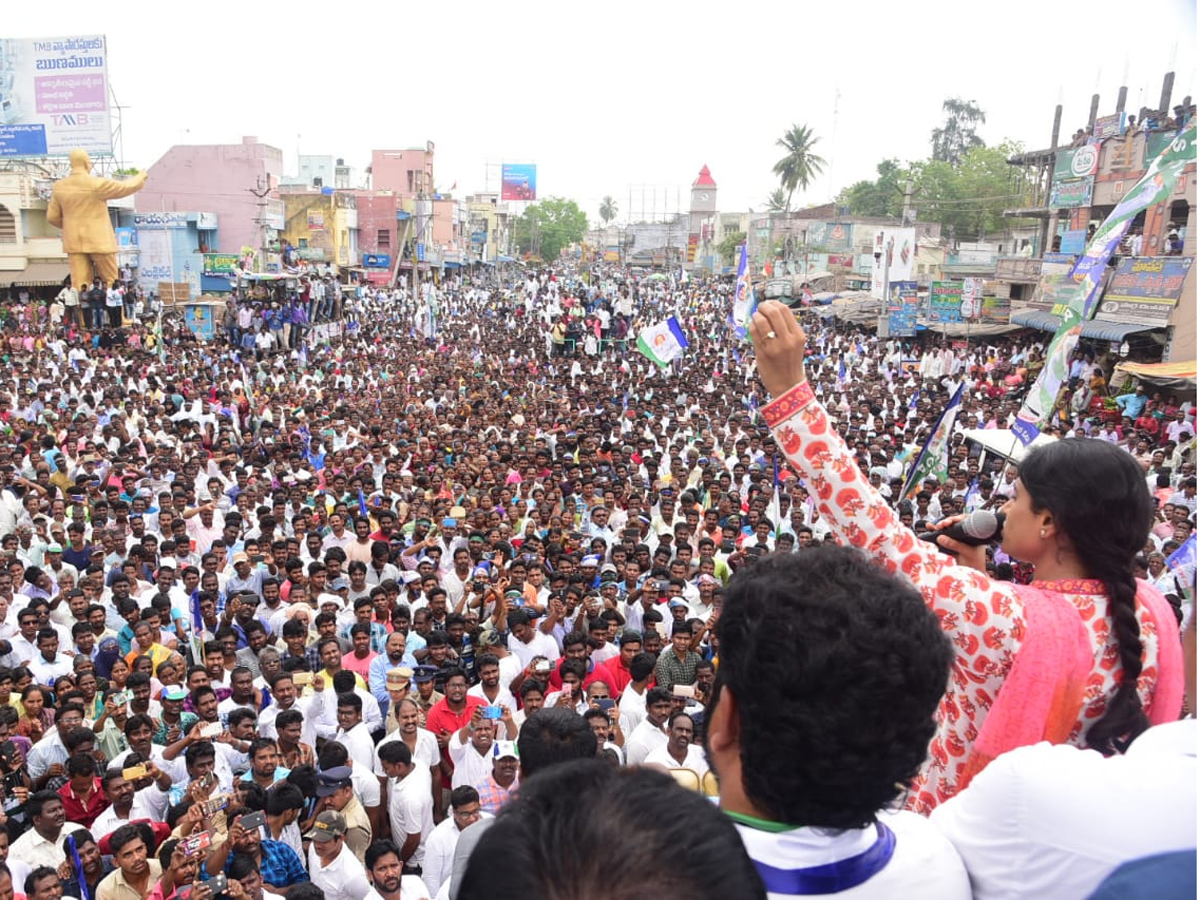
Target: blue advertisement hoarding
<point>518,182</point>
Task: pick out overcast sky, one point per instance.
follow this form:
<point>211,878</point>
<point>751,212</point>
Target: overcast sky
<point>613,96</point>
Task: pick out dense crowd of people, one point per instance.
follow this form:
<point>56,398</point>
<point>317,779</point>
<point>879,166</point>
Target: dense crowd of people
<point>294,609</point>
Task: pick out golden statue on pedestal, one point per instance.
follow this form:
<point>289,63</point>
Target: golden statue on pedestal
<point>79,206</point>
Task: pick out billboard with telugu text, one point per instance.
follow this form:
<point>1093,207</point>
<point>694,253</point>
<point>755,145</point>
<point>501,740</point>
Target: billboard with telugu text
<point>54,96</point>
<point>518,182</point>
<point>1144,290</point>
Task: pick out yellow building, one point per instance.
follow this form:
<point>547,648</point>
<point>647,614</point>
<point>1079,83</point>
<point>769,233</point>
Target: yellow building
<point>487,231</point>
<point>323,227</point>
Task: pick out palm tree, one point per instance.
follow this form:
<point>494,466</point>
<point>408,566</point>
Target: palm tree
<point>777,200</point>
<point>608,209</point>
<point>797,169</point>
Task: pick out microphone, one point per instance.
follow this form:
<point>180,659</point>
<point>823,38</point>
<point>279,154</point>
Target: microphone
<point>980,527</point>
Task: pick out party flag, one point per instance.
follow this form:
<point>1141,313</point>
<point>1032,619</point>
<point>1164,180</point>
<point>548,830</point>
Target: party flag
<point>744,301</point>
<point>662,342</point>
<point>931,461</point>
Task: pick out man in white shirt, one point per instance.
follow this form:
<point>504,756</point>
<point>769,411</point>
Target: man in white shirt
<point>648,735</point>
<point>1055,821</point>
<point>680,751</point>
<point>410,804</point>
<point>331,865</point>
<point>49,665</point>
<point>352,732</point>
<point>41,845</point>
<point>439,846</point>
<point>526,641</point>
<point>386,872</point>
<point>129,802</point>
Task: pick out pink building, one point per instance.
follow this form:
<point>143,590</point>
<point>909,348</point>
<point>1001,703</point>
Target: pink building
<point>407,172</point>
<point>220,178</point>
<point>377,230</point>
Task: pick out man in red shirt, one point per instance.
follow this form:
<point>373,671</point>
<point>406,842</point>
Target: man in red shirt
<point>82,796</point>
<point>615,671</point>
<point>360,658</point>
<point>450,714</point>
<point>576,646</point>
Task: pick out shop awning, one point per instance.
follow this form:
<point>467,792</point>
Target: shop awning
<point>1103,330</point>
<point>1161,373</point>
<point>1036,318</point>
<point>1096,329</point>
<point>39,273</point>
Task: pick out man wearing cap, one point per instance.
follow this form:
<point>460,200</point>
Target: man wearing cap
<point>56,567</point>
<point>331,865</point>
<point>495,790</point>
<point>449,541</point>
<point>174,722</point>
<point>335,791</point>
<point>397,684</point>
<point>427,696</point>
<point>246,577</point>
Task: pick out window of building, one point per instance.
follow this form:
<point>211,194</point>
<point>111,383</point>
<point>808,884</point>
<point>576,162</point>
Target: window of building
<point>383,239</point>
<point>303,243</point>
<point>8,226</point>
<point>410,181</point>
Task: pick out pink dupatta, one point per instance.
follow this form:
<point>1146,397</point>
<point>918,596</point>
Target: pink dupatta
<point>1043,694</point>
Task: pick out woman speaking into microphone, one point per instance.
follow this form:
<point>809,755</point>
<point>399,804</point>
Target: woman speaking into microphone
<point>1085,655</point>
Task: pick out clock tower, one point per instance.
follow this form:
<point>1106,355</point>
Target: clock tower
<point>701,218</point>
<point>704,199</point>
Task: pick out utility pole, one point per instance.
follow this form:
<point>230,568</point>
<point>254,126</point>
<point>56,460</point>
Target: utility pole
<point>261,190</point>
<point>907,211</point>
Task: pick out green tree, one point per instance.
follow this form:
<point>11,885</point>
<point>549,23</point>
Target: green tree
<point>801,165</point>
<point>731,246</point>
<point>777,200</point>
<point>969,199</point>
<point>608,210</point>
<point>957,135</point>
<point>882,197</point>
<point>548,226</point>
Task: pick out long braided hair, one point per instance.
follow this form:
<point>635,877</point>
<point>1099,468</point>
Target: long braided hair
<point>1097,494</point>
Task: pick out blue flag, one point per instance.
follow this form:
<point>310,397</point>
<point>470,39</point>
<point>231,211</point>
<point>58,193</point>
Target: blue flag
<point>744,301</point>
<point>77,868</point>
<point>362,503</point>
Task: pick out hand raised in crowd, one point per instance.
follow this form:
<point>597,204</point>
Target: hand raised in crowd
<point>779,344</point>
